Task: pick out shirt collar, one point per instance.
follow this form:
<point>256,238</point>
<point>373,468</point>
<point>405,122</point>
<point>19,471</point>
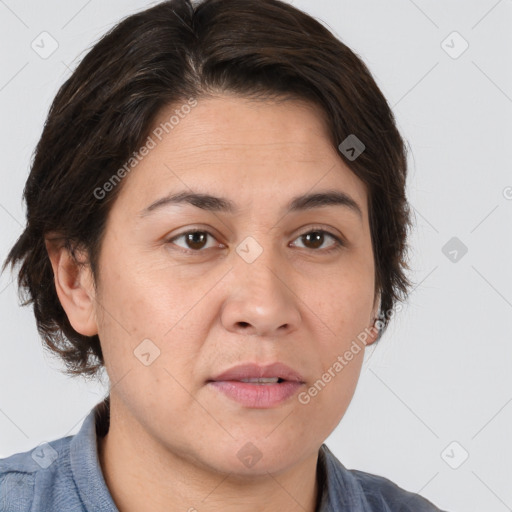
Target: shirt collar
<point>340,489</point>
<point>85,463</point>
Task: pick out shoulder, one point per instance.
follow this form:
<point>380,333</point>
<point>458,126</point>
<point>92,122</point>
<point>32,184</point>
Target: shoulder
<point>64,474</point>
<point>366,492</point>
<point>381,493</point>
<point>34,475</point>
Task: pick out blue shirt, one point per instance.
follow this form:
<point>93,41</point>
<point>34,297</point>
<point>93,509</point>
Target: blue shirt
<point>65,476</point>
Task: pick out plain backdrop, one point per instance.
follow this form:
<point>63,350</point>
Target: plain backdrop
<point>432,410</point>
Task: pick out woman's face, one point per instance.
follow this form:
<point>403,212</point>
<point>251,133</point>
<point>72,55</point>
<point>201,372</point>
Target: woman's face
<point>263,281</point>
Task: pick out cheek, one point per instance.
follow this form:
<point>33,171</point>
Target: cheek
<point>149,316</point>
<point>141,301</point>
<point>345,313</point>
<point>325,401</point>
<point>344,305</point>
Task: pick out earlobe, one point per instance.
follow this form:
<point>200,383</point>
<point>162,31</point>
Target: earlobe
<point>376,325</point>
<point>75,287</point>
<point>373,332</point>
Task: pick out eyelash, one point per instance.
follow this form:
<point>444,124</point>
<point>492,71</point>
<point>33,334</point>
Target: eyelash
<point>339,244</point>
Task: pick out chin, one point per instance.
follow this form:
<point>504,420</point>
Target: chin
<point>246,458</point>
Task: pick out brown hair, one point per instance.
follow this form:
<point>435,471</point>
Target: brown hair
<point>165,55</point>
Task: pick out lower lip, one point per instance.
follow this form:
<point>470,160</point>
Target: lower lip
<point>259,396</point>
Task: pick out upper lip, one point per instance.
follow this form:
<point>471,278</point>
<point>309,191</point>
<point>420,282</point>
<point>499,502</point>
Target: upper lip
<point>255,371</point>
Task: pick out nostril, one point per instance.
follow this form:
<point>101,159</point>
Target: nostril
<point>243,324</point>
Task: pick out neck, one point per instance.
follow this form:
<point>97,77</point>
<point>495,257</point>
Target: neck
<point>143,475</point>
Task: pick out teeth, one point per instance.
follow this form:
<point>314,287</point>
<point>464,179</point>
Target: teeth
<point>262,380</point>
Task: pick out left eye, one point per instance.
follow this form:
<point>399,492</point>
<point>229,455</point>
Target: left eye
<point>317,239</point>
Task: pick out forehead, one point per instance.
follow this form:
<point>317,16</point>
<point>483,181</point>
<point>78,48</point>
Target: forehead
<point>251,151</point>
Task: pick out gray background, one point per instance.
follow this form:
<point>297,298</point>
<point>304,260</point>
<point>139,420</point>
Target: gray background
<point>441,374</point>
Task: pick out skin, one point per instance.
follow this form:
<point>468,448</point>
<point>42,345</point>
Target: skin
<point>173,440</point>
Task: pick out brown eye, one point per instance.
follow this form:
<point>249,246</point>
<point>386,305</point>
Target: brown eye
<point>196,240</point>
<point>193,240</point>
<point>315,240</point>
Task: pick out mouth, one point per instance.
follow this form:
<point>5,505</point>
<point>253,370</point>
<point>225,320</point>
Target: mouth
<point>256,386</point>
<point>269,380</point>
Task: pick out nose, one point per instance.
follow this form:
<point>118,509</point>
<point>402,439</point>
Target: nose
<point>261,300</point>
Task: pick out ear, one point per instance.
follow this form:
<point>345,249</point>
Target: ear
<point>373,329</point>
<point>75,286</point>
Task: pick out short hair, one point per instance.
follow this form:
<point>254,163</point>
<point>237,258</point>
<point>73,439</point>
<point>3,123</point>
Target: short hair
<point>167,54</point>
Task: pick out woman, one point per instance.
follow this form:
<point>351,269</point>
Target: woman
<point>216,214</point>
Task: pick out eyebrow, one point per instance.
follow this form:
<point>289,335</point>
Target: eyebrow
<point>221,204</point>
